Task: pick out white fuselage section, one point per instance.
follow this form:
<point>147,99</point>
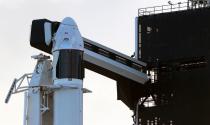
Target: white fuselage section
<point>68,98</point>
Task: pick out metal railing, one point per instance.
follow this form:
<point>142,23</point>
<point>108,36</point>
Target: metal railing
<point>171,7</point>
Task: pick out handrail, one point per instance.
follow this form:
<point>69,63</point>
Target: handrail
<point>171,8</point>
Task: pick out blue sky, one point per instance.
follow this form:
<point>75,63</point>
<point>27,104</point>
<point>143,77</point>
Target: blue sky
<point>109,22</point>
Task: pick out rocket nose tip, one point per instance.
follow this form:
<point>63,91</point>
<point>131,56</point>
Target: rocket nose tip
<point>69,21</point>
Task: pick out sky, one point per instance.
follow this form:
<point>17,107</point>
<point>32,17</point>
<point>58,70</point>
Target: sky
<point>108,22</point>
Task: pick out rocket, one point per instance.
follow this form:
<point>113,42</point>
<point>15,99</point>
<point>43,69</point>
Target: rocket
<point>67,50</point>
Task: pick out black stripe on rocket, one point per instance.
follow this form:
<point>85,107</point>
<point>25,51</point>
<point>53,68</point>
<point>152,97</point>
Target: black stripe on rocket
<point>70,64</point>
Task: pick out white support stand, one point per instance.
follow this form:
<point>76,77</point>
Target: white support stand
<point>35,98</point>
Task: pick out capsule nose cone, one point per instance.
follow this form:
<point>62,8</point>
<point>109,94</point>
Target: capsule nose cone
<point>69,21</point>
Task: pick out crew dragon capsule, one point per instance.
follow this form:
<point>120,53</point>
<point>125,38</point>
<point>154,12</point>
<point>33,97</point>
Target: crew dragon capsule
<point>68,48</point>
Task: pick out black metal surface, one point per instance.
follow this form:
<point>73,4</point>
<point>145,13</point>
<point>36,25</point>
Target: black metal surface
<point>37,38</point>
<point>177,46</point>
<point>182,34</point>
<point>70,64</point>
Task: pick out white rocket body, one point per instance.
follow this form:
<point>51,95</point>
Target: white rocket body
<point>67,52</point>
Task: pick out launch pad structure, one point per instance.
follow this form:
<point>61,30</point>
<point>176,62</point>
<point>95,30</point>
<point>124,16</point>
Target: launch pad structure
<point>167,83</point>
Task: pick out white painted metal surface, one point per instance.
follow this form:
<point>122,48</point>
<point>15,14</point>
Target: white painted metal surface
<point>68,36</point>
<point>115,67</point>
<point>68,97</point>
<point>136,39</point>
<point>40,77</point>
<point>25,108</point>
<point>48,32</point>
<point>33,112</point>
<point>68,102</point>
